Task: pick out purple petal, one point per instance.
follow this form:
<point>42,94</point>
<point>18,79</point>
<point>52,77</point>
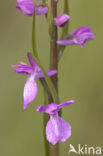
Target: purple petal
<point>20,65</point>
<point>79,39</point>
<point>25,6</point>
<point>50,73</point>
<point>83,38</point>
<point>23,69</point>
<point>61,20</point>
<point>65,42</point>
<point>41,10</point>
<point>57,129</point>
<point>30,91</point>
<point>51,109</point>
<point>65,104</point>
<point>31,61</point>
<point>65,130</point>
<point>81,30</point>
<point>41,109</point>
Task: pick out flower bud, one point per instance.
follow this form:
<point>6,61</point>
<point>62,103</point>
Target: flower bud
<point>61,20</point>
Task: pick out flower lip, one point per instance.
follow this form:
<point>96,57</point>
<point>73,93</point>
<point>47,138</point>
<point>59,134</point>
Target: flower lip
<point>61,20</point>
<point>57,129</point>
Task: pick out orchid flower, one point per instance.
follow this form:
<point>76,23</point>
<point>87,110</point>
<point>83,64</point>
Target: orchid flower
<point>34,73</point>
<point>79,36</point>
<point>57,129</point>
<point>26,6</point>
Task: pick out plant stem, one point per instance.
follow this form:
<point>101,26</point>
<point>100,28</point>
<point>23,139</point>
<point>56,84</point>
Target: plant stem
<point>54,150</point>
<point>45,120</point>
<point>52,88</point>
<point>53,46</point>
<point>65,28</point>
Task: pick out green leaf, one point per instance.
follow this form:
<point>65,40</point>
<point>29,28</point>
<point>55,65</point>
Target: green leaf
<point>34,42</point>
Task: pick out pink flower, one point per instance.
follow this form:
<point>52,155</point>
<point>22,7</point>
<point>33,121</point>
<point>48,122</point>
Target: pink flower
<point>33,72</point>
<point>26,6</point>
<point>57,129</point>
<point>79,36</point>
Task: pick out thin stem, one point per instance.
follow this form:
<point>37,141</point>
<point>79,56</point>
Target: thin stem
<point>54,150</point>
<point>66,11</point>
<point>65,29</point>
<point>45,120</point>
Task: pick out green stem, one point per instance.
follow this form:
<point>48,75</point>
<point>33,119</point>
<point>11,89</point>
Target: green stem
<point>65,28</point>
<point>45,120</point>
<point>66,11</point>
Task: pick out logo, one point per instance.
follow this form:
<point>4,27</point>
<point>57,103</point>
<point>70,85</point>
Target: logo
<point>85,150</point>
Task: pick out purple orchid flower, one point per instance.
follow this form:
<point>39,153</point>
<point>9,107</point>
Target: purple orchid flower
<point>34,73</point>
<point>57,129</point>
<point>61,20</point>
<point>78,37</point>
<point>26,6</point>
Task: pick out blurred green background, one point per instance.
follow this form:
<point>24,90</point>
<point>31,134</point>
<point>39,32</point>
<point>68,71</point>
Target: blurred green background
<point>80,78</point>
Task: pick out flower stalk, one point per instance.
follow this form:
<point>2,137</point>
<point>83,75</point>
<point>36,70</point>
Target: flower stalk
<point>54,150</point>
